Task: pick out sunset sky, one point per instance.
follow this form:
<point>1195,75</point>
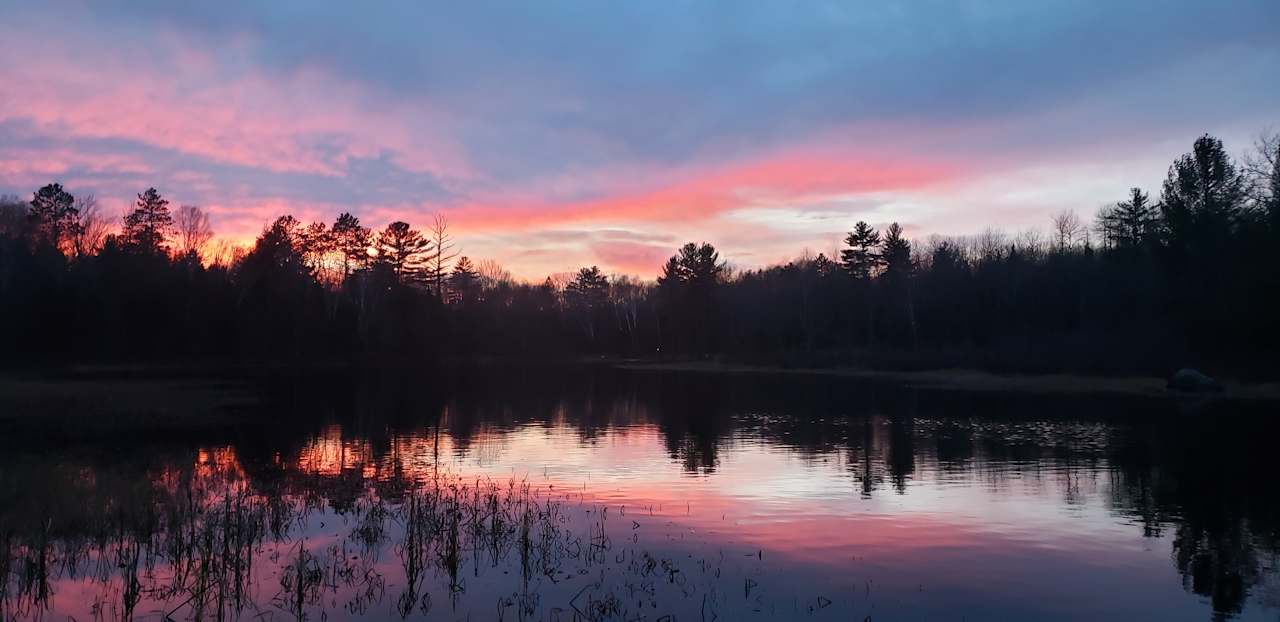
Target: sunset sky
<point>560,134</point>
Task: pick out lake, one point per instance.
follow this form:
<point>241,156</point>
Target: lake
<point>596,494</point>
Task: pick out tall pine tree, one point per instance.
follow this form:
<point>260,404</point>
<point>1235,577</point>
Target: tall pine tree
<point>464,281</point>
<point>1203,197</point>
<point>862,257</point>
<point>404,249</point>
<point>351,241</point>
<point>147,227</point>
<point>1129,223</point>
<point>54,215</point>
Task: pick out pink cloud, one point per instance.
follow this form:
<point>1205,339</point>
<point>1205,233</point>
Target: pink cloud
<point>31,167</point>
<point>306,122</point>
<point>693,205</point>
<point>179,97</point>
<point>631,257</point>
<point>785,177</point>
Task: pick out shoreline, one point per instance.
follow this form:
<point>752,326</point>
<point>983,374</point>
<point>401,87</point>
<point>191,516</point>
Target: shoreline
<point>981,381</point>
<point>166,389</point>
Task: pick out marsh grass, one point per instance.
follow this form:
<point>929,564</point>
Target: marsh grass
<point>204,547</point>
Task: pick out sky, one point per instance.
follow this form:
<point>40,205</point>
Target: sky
<point>555,135</point>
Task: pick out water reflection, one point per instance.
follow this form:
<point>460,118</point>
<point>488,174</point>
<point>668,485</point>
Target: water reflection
<point>590,494</point>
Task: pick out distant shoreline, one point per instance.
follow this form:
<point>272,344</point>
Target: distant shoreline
<point>976,380</point>
<point>208,392</point>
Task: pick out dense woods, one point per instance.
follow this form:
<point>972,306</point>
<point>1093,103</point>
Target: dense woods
<point>1187,274</point>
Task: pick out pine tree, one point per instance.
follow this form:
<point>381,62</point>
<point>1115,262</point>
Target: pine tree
<point>404,249</point>
<point>352,241</point>
<point>898,269</point>
<point>862,258</point>
<point>54,215</point>
<point>147,227</point>
<point>687,291</point>
<point>277,249</point>
<point>465,280</point>
<point>586,295</point>
<point>696,265</point>
<point>316,242</point>
<point>1203,196</point>
<point>589,288</point>
<point>1130,222</point>
<point>822,266</point>
<point>673,274</point>
<point>895,251</point>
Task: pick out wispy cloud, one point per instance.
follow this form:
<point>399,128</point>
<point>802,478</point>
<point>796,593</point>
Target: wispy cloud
<point>633,126</point>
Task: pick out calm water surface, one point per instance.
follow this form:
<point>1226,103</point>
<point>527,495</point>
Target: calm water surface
<point>596,494</point>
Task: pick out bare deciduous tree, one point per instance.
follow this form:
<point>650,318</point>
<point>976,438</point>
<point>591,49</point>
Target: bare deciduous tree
<point>438,264</point>
<point>1262,167</point>
<point>492,274</point>
<point>559,281</point>
<point>626,294</point>
<point>14,218</point>
<point>1067,229</point>
<point>194,231</point>
<point>225,253</point>
<point>92,229</point>
<point>991,245</point>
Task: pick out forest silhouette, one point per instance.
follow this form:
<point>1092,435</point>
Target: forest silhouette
<point>1188,275</point>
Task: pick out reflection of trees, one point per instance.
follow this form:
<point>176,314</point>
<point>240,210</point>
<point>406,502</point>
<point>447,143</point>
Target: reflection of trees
<point>1207,478</point>
<point>366,449</point>
<point>1204,476</point>
<point>1220,564</point>
<point>177,523</point>
<point>1191,476</point>
<point>195,540</point>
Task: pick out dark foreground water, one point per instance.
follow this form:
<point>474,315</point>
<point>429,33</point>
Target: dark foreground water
<point>595,494</point>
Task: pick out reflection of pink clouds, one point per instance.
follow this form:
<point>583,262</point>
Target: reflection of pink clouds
<point>750,504</point>
<point>753,529</point>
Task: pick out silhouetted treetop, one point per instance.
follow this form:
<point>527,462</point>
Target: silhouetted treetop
<point>148,226</point>
<point>464,281</point>
<point>54,215</point>
<point>589,288</point>
<point>862,257</point>
<point>351,241</point>
<point>1203,196</point>
<point>895,252</point>
<point>697,265</point>
<point>404,250</point>
<point>278,248</point>
<point>1193,280</point>
<point>1129,223</point>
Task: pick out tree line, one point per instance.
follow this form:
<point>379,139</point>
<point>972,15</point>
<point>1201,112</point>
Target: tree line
<point>1186,276</point>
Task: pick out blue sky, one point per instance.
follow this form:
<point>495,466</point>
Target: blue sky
<point>561,134</point>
